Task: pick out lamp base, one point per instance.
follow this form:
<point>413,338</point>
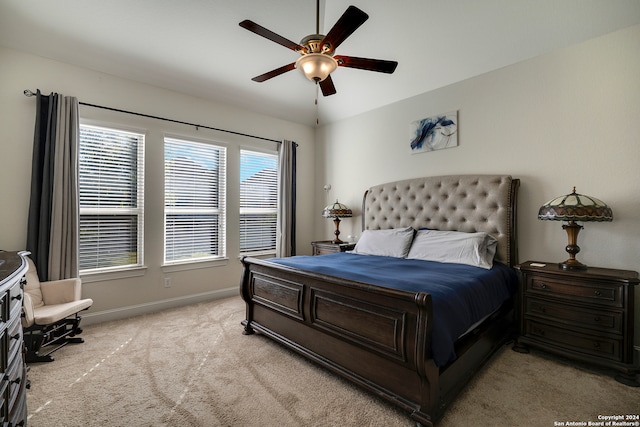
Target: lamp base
<point>337,240</point>
<point>572,248</point>
<point>572,264</point>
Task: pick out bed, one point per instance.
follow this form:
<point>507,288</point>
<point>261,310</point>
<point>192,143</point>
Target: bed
<point>375,333</point>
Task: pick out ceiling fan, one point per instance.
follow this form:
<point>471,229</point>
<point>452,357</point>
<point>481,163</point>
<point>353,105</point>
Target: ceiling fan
<point>317,60</point>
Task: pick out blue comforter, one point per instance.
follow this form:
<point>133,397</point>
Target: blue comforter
<point>461,294</point>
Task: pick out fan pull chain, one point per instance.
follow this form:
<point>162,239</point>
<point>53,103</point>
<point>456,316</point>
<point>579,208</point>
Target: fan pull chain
<point>317,115</point>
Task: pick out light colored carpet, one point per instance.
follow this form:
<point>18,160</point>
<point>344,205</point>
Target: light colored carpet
<point>193,367</point>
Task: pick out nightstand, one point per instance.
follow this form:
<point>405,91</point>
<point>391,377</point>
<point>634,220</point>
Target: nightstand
<point>324,247</point>
<point>586,315</point>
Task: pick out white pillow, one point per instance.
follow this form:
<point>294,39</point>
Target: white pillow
<point>476,249</point>
<point>394,242</point>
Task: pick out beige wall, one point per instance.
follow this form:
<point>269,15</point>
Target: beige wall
<point>121,297</point>
<point>567,118</point>
<point>571,117</point>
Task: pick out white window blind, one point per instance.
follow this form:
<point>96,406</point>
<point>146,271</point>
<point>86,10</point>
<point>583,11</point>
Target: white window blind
<point>194,200</point>
<point>258,201</point>
<point>111,186</point>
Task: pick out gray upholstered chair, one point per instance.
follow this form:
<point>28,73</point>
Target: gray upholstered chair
<point>50,317</point>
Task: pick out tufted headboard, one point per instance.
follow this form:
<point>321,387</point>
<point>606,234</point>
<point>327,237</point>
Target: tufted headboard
<point>467,203</point>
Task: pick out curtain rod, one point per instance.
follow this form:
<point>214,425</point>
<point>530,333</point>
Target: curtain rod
<point>29,93</point>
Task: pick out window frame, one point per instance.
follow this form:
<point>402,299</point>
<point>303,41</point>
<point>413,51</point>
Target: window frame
<point>220,211</point>
<point>123,270</point>
<point>253,210</point>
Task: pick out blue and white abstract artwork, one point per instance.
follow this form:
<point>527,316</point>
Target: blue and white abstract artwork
<point>434,133</point>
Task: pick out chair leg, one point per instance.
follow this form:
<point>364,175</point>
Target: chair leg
<point>33,342</point>
<point>53,337</point>
<point>34,357</point>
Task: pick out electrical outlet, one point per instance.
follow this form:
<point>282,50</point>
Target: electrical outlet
<point>167,282</point>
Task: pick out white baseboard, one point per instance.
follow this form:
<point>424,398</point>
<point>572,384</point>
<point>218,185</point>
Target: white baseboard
<point>150,307</point>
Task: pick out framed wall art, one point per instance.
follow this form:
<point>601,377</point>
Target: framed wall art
<point>434,133</point>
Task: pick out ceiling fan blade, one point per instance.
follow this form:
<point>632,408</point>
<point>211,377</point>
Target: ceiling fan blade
<point>350,20</point>
<point>368,64</point>
<point>274,73</point>
<point>327,86</point>
<point>268,34</point>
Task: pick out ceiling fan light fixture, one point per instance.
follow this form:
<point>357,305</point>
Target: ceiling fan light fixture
<point>316,66</point>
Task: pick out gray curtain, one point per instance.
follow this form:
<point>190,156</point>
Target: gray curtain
<point>52,234</point>
<point>286,228</point>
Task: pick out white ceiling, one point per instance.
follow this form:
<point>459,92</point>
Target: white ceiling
<point>197,47</point>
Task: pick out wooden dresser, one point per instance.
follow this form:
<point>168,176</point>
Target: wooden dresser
<point>13,409</point>
<point>587,315</point>
<point>323,247</point>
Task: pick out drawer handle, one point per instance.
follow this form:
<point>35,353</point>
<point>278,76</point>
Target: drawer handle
<point>18,297</point>
<point>597,319</point>
<point>16,381</point>
<point>598,293</point>
<point>596,345</point>
<point>543,286</point>
<point>16,336</point>
<point>539,308</point>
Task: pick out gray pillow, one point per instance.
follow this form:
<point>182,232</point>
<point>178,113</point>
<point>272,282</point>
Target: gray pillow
<point>394,242</point>
<point>476,249</point>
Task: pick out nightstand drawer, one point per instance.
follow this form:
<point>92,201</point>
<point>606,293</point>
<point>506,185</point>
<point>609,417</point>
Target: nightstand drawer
<point>574,316</point>
<point>325,247</point>
<point>324,250</point>
<point>590,292</point>
<point>573,341</point>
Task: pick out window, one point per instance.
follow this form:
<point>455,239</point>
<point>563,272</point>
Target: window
<point>194,201</point>
<point>111,185</point>
<point>258,201</point>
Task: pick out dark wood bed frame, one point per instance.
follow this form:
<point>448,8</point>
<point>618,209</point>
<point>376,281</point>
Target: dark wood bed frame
<point>379,337</point>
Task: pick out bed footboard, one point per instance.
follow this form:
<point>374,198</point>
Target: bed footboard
<point>375,337</point>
